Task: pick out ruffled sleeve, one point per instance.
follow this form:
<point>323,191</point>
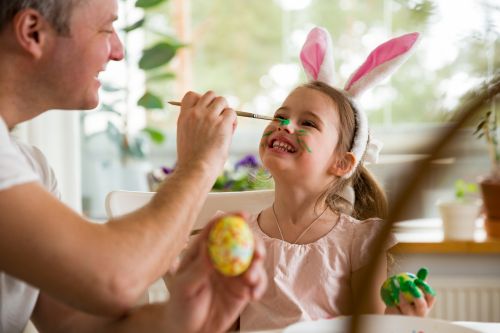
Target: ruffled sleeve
<point>364,234</point>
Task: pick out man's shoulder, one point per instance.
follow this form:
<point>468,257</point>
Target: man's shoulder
<point>38,163</point>
<point>34,156</point>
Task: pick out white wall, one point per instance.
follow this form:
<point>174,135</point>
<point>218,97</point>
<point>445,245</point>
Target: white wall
<point>57,135</point>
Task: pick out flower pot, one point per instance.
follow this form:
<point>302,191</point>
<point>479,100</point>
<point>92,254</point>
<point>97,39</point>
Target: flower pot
<point>490,189</point>
<point>459,219</point>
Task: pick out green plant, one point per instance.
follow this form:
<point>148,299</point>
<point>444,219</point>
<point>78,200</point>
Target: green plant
<point>246,174</point>
<point>161,47</point>
<point>464,190</point>
<point>488,129</point>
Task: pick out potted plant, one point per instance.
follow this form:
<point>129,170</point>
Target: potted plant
<point>116,154</point>
<point>247,174</point>
<point>488,130</point>
<point>460,214</point>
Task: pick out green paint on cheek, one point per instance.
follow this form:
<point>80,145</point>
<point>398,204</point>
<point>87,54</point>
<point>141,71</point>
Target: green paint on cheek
<point>268,133</point>
<point>303,144</point>
<point>284,122</point>
<point>262,144</point>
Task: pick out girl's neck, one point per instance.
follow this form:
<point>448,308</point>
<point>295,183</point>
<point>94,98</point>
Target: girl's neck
<point>297,205</point>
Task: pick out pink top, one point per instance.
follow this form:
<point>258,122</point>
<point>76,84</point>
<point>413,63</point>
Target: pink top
<point>310,281</point>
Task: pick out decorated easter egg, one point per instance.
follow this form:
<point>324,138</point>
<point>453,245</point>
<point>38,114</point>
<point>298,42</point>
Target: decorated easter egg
<point>408,284</point>
<point>231,245</point>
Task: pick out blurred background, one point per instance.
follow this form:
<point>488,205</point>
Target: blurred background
<point>248,52</point>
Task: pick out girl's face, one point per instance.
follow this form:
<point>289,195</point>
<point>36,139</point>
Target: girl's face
<point>301,141</point>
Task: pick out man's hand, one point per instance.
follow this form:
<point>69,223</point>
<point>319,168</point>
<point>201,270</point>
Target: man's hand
<point>203,300</point>
<point>204,131</point>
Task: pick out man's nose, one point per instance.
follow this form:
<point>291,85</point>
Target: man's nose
<point>116,53</point>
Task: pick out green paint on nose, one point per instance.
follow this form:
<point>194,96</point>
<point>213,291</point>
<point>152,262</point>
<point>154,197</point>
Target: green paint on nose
<point>284,122</point>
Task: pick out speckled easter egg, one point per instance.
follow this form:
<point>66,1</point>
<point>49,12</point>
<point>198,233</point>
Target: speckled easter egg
<point>394,285</point>
<point>408,284</point>
<point>231,245</point>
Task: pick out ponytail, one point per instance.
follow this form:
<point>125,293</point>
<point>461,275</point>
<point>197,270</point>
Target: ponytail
<point>371,200</point>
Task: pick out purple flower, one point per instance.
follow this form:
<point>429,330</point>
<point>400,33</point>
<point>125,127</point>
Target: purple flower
<point>248,161</point>
<point>167,170</point>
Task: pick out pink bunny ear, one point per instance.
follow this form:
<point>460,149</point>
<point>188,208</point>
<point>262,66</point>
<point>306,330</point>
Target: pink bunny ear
<point>317,56</point>
<point>381,63</point>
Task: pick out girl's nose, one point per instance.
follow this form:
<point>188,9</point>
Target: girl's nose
<point>285,125</point>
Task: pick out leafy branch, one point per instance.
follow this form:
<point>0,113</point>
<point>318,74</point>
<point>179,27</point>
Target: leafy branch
<point>487,128</point>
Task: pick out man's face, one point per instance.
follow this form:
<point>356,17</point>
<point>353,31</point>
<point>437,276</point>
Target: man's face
<point>73,63</point>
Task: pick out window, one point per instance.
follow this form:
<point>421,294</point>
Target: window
<point>247,50</point>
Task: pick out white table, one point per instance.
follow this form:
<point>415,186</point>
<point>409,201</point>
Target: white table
<point>479,326</point>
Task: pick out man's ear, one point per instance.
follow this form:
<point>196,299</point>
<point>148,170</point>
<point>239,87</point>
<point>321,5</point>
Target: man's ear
<point>342,165</point>
<point>31,31</point>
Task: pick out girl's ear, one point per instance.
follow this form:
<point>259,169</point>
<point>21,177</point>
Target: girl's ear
<point>343,165</point>
<point>317,56</point>
<point>381,63</point>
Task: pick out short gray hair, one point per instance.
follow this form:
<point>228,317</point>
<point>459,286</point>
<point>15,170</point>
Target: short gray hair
<point>56,12</point>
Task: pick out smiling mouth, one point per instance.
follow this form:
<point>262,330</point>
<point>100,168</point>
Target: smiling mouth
<point>282,146</point>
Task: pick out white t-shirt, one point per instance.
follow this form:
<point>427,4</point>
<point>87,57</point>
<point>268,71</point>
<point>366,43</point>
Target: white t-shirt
<point>19,164</point>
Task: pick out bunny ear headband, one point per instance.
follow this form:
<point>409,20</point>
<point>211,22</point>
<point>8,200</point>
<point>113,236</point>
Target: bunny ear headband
<point>317,59</point>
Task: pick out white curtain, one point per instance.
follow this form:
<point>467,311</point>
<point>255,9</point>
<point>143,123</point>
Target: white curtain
<point>57,135</point>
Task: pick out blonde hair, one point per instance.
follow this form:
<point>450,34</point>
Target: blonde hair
<point>370,199</point>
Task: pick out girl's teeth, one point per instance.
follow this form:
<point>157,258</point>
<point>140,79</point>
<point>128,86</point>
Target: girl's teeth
<point>283,146</point>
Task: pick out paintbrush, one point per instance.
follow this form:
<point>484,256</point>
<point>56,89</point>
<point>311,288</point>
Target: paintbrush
<point>239,113</point>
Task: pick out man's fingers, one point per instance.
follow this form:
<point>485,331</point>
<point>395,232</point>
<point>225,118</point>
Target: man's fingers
<point>206,99</point>
<point>190,99</point>
<point>261,285</point>
<point>217,105</point>
<point>195,276</point>
<point>260,250</point>
<point>229,117</point>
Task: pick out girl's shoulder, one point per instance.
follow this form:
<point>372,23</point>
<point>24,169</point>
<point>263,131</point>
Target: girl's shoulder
<point>363,231</point>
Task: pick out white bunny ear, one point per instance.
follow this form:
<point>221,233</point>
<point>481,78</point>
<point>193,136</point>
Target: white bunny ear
<point>317,56</point>
<point>381,63</point>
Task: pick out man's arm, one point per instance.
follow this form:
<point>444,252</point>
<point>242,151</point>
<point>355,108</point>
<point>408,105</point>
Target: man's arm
<point>202,300</point>
<point>103,269</point>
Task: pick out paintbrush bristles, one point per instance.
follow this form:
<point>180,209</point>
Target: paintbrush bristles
<point>239,113</point>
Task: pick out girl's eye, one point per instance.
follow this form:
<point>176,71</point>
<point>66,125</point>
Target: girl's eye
<point>279,117</point>
<point>309,123</point>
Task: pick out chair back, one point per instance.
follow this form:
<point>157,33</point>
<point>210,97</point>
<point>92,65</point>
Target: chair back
<point>124,202</point>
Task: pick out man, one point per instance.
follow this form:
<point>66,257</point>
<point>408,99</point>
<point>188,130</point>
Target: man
<point>51,53</point>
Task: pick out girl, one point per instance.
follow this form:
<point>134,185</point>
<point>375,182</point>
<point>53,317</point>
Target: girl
<point>320,227</point>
